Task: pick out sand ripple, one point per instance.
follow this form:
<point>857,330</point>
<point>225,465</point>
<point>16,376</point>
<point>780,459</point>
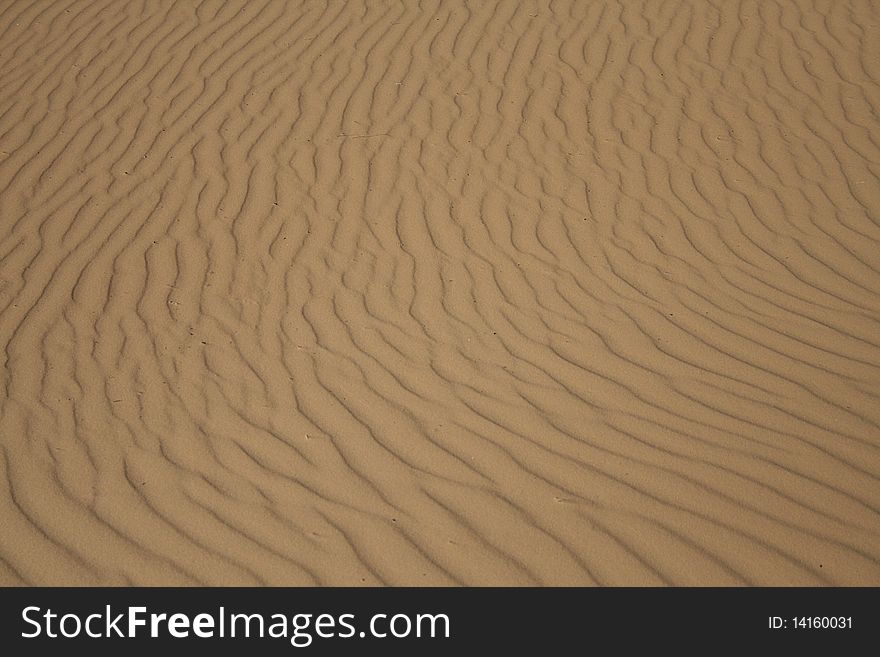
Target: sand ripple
<point>440,292</point>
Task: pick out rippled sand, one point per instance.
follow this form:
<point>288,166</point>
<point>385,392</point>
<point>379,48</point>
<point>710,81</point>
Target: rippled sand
<point>440,292</point>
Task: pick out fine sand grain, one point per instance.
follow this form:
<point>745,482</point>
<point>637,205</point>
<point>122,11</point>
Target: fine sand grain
<point>440,292</point>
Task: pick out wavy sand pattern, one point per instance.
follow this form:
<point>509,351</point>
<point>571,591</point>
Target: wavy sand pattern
<point>440,292</point>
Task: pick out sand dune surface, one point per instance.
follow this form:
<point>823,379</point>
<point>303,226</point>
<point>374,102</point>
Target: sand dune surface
<point>440,292</point>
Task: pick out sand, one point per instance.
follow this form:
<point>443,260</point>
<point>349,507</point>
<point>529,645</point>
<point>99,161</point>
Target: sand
<point>440,293</point>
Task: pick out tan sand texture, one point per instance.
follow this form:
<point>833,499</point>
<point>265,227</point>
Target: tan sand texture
<point>518,293</point>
